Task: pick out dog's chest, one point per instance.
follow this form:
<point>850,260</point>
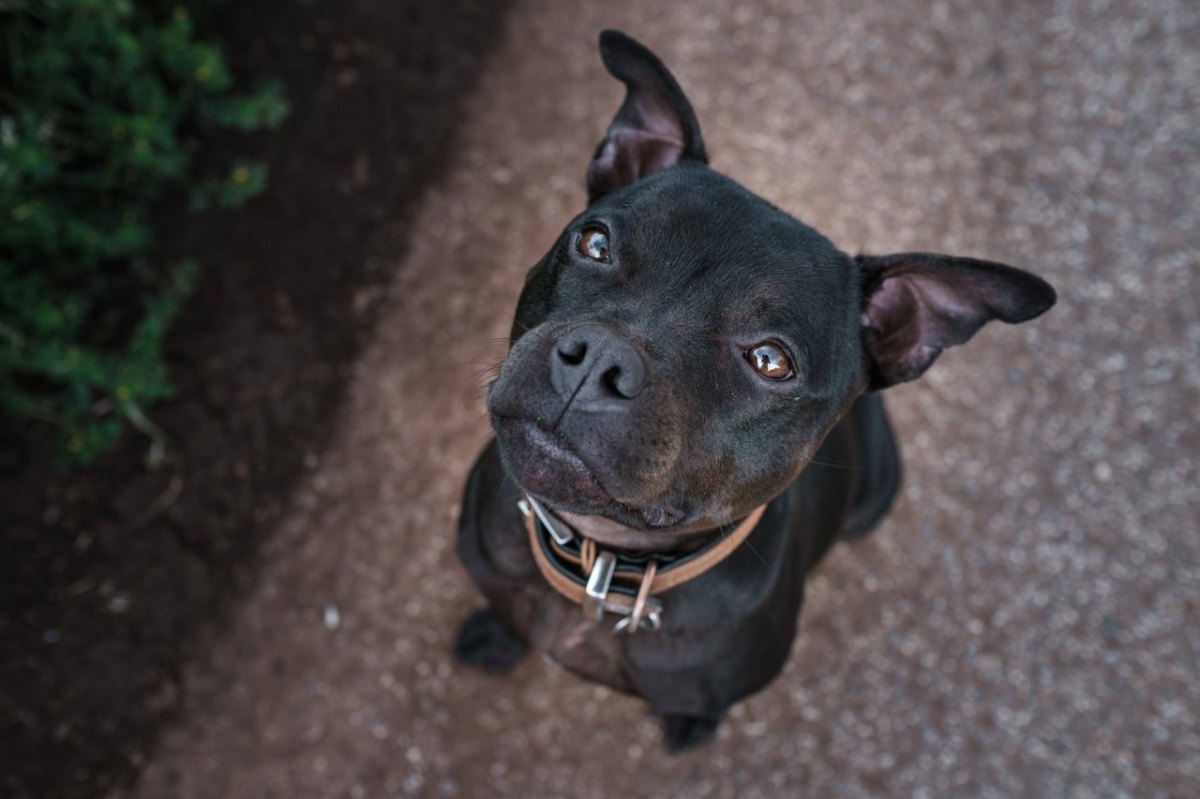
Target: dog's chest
<point>559,630</point>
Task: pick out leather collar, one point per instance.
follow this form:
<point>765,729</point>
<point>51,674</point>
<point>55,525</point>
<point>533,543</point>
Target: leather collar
<point>609,580</point>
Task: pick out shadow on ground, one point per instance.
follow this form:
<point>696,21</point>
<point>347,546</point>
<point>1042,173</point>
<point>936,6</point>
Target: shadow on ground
<point>111,576</point>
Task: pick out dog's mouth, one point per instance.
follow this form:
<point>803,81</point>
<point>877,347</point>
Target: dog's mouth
<point>547,466</point>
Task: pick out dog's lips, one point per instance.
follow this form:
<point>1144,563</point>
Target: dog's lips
<point>545,465</point>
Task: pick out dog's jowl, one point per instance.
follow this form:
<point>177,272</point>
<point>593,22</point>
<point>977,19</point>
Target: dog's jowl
<point>647,512</point>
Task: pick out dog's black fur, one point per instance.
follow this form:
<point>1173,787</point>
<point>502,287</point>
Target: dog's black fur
<point>630,405</point>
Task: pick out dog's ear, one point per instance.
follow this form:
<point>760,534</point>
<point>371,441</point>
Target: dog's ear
<point>915,305</point>
<point>655,127</point>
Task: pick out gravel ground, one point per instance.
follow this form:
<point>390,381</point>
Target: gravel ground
<point>1024,624</point>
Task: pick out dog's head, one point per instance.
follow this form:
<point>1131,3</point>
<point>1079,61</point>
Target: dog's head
<point>683,349</point>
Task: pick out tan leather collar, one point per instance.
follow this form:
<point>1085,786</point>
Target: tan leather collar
<point>603,580</point>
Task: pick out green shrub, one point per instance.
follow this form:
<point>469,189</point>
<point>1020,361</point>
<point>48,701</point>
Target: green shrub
<point>102,106</point>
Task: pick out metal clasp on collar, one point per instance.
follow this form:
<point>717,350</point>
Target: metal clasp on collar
<point>563,537</point>
<point>597,600</point>
<point>598,584</point>
<point>650,621</point>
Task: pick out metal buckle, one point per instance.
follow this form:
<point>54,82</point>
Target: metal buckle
<point>597,601</point>
<point>562,537</point>
<point>599,581</point>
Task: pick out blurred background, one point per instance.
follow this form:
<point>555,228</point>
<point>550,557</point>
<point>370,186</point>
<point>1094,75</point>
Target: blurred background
<point>256,258</point>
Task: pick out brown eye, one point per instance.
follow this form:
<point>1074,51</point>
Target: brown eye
<point>593,244</point>
<point>769,360</point>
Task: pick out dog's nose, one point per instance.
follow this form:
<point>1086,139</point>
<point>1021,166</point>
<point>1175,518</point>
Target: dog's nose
<point>592,362</point>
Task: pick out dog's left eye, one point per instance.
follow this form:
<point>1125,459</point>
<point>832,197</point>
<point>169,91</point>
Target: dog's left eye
<point>770,361</point>
<point>593,244</point>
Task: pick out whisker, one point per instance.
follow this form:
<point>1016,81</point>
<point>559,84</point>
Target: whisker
<point>746,543</point>
<point>835,465</point>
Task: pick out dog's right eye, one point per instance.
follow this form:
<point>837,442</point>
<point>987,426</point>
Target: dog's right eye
<point>593,244</point>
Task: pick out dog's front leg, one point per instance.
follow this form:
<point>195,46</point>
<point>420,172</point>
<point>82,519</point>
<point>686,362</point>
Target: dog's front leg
<point>484,641</point>
<point>681,733</point>
<point>685,702</point>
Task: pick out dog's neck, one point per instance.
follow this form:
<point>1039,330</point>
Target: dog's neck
<point>614,535</point>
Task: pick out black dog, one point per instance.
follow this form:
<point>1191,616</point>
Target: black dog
<point>685,354</point>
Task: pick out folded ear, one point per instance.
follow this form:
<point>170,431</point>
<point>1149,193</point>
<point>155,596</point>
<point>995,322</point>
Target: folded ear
<point>915,305</point>
<point>655,127</point>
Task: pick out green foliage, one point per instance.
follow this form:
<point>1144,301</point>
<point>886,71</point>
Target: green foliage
<point>102,106</point>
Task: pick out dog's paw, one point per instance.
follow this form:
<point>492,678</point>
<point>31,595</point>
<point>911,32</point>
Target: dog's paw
<point>681,733</point>
<point>484,641</point>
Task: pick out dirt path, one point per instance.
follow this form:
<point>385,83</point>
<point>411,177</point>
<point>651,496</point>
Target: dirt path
<point>1024,625</point>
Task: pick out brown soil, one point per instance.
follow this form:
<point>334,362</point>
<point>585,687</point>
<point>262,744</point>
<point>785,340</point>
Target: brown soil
<point>110,576</point>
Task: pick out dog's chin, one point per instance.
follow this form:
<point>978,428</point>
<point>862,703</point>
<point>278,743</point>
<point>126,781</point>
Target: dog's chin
<point>546,466</point>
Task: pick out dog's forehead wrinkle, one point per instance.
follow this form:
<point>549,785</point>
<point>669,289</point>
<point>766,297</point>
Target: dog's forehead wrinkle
<point>680,300</point>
